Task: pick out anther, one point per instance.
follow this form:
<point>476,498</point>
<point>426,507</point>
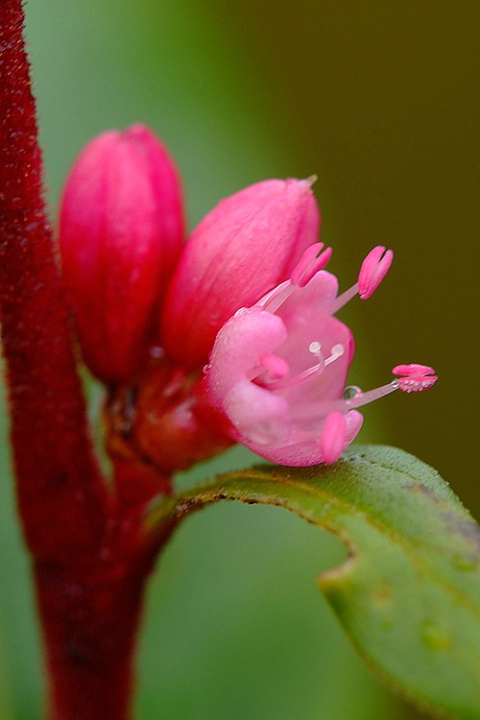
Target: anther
<point>270,369</point>
<point>337,351</point>
<point>315,347</point>
<point>373,270</point>
<point>416,378</point>
<point>274,367</point>
<point>413,369</point>
<point>413,384</point>
<point>312,261</point>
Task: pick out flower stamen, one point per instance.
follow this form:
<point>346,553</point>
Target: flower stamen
<point>372,272</point>
<point>272,373</point>
<point>312,261</point>
<point>415,379</point>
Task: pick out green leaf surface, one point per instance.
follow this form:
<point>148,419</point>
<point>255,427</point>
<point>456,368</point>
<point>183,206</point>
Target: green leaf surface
<point>408,595</point>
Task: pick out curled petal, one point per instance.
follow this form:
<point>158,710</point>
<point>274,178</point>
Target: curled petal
<point>247,337</point>
<point>259,417</point>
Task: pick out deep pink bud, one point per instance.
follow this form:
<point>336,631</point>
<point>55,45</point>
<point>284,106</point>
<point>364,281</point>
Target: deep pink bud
<point>121,231</point>
<point>244,247</point>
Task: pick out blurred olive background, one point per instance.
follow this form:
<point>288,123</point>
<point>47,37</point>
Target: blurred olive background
<point>380,101</point>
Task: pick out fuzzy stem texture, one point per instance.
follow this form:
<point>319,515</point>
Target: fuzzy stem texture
<point>89,555</point>
<point>91,613</point>
<point>90,627</point>
<point>61,494</point>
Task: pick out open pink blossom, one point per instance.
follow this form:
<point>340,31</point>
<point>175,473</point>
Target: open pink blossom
<point>278,369</point>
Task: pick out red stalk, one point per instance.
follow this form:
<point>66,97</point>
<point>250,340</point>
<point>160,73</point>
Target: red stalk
<point>62,496</point>
<point>89,627</point>
<point>90,558</point>
<point>90,615</point>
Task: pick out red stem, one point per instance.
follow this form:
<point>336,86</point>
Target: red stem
<point>89,627</point>
<point>61,494</point>
<point>90,616</point>
<point>90,558</point>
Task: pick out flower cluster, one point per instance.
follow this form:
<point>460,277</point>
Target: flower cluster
<point>231,336</point>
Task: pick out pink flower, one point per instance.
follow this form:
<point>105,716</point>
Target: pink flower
<point>244,247</point>
<point>278,369</point>
<point>121,232</point>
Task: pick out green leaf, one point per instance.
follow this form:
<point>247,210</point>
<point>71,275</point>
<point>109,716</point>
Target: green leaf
<point>409,593</point>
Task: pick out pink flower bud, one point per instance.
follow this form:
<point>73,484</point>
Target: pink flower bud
<point>121,231</point>
<point>244,247</point>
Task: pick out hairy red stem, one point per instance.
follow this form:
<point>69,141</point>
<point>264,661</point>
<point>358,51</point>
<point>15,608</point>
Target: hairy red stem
<point>91,614</point>
<point>90,557</point>
<point>61,494</point>
<point>90,627</point>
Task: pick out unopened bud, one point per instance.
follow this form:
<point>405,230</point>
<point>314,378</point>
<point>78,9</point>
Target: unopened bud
<point>121,232</point>
<point>244,247</point>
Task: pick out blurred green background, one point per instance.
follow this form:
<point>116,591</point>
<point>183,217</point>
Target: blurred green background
<point>381,101</point>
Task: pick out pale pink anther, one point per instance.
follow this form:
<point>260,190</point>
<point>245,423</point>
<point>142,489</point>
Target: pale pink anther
<point>373,270</point>
<point>416,378</point>
<point>411,384</point>
<point>333,439</point>
<point>272,368</point>
<point>413,369</point>
<point>312,261</point>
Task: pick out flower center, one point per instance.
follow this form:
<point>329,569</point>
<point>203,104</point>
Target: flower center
<point>272,372</point>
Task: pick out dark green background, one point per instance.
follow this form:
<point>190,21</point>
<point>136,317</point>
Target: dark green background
<point>380,100</point>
